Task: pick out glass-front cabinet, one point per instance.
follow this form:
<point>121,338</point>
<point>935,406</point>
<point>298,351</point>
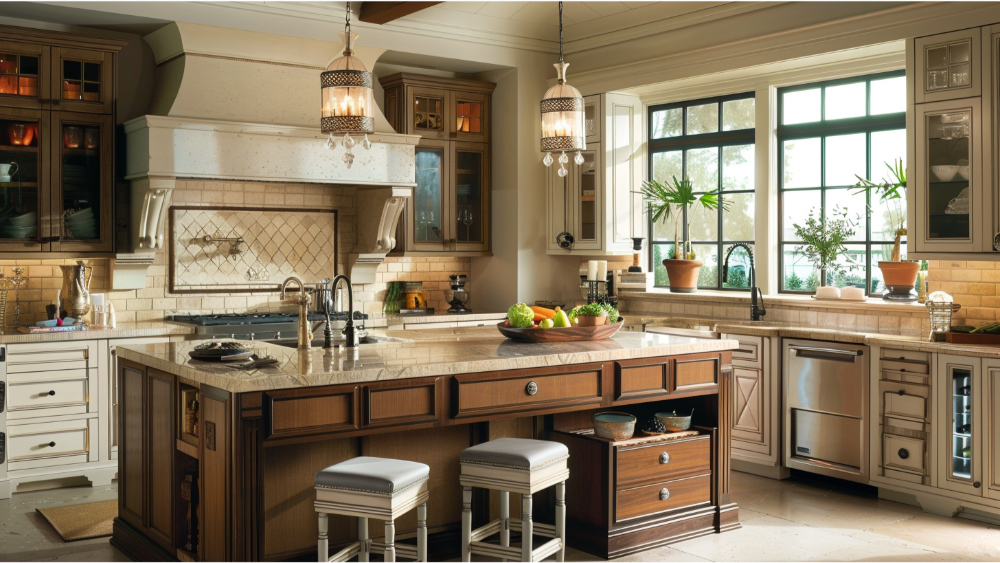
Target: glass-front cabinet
<point>960,424</point>
<point>471,176</point>
<point>82,177</point>
<point>23,174</point>
<point>427,208</point>
<point>576,201</point>
<point>948,66</point>
<point>84,83</point>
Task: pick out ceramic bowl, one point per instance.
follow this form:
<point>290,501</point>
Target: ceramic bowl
<point>827,292</point>
<point>963,171</point>
<point>854,293</point>
<point>26,220</point>
<point>673,421</point>
<point>13,231</point>
<point>614,425</point>
<point>87,213</point>
<point>945,173</point>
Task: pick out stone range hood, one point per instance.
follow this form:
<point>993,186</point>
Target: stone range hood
<point>244,106</point>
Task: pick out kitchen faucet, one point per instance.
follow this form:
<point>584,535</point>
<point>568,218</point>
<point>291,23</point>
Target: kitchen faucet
<point>302,300</point>
<point>756,312</point>
<point>349,328</point>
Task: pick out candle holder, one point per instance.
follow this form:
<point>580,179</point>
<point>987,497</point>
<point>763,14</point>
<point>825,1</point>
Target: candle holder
<point>636,254</point>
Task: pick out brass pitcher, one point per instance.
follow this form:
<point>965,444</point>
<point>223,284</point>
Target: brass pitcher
<point>75,294</point>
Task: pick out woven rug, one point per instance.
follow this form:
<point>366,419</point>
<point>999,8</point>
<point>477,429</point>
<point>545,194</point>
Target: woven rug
<point>81,521</point>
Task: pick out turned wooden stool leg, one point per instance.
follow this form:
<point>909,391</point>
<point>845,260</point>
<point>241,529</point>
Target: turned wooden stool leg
<point>561,519</point>
<point>504,519</point>
<point>422,532</point>
<point>466,523</point>
<point>323,546</point>
<point>527,527</point>
<point>366,544</point>
<point>390,540</point>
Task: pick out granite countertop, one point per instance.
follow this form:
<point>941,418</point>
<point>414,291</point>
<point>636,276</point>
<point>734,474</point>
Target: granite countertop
<point>898,338</point>
<point>409,354</point>
<point>443,316</point>
<point>122,330</point>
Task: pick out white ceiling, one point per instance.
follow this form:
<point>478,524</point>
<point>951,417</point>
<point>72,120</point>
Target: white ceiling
<point>545,12</point>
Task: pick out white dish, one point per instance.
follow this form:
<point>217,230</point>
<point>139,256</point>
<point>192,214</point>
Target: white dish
<point>862,300</point>
<point>27,220</point>
<point>81,214</point>
<point>963,171</point>
<point>945,173</point>
<point>13,231</point>
<point>852,293</point>
<point>827,292</point>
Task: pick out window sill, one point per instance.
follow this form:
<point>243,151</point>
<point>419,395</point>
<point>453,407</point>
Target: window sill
<point>793,301</point>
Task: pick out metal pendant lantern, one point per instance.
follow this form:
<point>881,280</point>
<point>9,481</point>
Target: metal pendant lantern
<point>563,127</point>
<point>348,100</point>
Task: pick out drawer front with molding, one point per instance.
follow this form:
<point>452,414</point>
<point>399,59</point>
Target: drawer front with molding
<point>751,350</point>
<point>48,444</point>
<point>663,461</point>
<point>640,383</point>
<point>905,405</point>
<point>485,394</point>
<point>904,453</point>
<point>50,394</point>
<point>295,412</point>
<point>906,355</point>
<point>660,497</point>
<point>400,405</point>
<point>697,374</point>
<point>51,356</point>
<point>904,366</point>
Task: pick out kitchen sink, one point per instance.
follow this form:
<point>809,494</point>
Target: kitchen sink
<point>318,342</point>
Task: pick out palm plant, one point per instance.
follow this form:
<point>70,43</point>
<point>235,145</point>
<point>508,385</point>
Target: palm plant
<point>890,190</point>
<point>666,201</point>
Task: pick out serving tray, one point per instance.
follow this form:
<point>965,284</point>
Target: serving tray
<point>966,338</point>
<point>566,334</point>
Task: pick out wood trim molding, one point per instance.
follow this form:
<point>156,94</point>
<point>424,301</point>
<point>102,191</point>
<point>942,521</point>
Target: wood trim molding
<point>60,38</point>
<point>385,12</point>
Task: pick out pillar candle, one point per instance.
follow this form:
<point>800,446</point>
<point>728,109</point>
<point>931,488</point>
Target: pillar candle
<point>592,270</point>
<point>602,270</point>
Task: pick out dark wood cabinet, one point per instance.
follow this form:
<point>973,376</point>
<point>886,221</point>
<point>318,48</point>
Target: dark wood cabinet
<point>449,213</point>
<point>57,118</point>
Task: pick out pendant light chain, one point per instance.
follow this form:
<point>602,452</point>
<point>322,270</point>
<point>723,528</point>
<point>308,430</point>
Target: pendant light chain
<point>560,33</point>
<point>347,26</point>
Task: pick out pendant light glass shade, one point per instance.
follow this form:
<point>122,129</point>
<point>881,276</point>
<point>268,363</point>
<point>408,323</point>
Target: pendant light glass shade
<point>563,120</point>
<point>347,99</point>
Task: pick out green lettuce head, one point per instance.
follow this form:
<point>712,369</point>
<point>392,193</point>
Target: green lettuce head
<point>520,316</point>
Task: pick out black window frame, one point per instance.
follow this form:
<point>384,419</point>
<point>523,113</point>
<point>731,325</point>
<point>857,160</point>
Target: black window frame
<point>822,129</point>
<point>684,142</point>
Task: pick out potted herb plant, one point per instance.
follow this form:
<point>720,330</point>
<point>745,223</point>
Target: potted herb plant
<point>666,201</point>
<point>823,241</point>
<point>899,276</point>
<point>594,314</point>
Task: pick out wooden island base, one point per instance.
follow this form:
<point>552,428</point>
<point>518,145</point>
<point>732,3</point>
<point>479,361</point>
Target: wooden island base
<point>241,487</point>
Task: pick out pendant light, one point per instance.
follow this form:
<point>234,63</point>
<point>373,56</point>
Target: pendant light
<point>348,101</point>
<point>562,116</point>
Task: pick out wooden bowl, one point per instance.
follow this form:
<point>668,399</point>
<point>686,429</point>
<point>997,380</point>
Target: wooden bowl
<point>566,334</point>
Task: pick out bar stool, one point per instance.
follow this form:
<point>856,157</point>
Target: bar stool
<point>514,465</point>
<point>373,487</point>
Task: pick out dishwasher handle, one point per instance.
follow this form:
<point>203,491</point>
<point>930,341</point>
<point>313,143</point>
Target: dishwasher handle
<point>827,353</point>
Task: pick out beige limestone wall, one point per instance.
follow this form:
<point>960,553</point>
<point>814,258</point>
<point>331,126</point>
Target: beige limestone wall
<point>155,301</point>
<point>974,285</point>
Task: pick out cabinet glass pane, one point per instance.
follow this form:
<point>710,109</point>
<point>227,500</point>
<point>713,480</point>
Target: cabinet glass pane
<point>961,428</point>
<point>590,118</point>
<point>428,113</point>
<point>469,117</point>
<point>949,193</point>
<point>19,164</point>
<point>949,66</point>
<point>427,196</point>
<point>469,196</point>
<point>81,181</point>
<point>18,75</point>
<point>81,81</point>
<point>588,197</point>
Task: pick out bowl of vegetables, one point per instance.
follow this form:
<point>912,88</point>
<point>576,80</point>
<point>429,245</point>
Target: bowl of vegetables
<point>539,324</point>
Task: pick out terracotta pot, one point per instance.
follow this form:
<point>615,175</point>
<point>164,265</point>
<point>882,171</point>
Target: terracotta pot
<point>683,275</point>
<point>591,321</point>
<point>898,274</point>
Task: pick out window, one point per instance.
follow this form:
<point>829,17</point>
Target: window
<point>710,142</point>
<point>829,133</point>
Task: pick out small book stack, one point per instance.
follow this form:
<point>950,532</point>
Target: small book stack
<point>636,280</point>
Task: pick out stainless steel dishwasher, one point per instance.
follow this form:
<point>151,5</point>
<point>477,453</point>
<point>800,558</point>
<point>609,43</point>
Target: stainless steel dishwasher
<point>825,408</point>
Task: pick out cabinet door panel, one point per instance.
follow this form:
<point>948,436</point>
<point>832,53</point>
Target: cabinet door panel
<point>470,118</point>
<point>81,218</point>
<point>748,419</point>
<point>24,180</point>
<point>425,212</point>
<point>947,66</point>
<point>959,426</point>
<point>470,216</point>
<point>82,80</point>
<point>588,197</point>
<point>160,406</point>
<point>426,112</point>
<point>23,75</point>
<point>132,461</point>
<point>991,422</point>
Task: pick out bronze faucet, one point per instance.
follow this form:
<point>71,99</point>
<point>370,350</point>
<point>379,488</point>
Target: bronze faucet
<point>303,300</point>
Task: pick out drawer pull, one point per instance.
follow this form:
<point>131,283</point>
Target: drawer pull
<point>664,493</point>
<point>664,458</point>
<point>976,484</point>
<point>531,388</point>
<point>51,393</point>
<point>903,453</point>
<point>902,392</point>
<point>50,444</point>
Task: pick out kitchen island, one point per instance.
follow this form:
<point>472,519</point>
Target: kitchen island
<point>217,463</point>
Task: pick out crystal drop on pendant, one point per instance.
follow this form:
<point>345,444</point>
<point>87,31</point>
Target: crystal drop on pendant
<point>562,172</point>
<point>330,143</point>
<point>349,141</point>
<point>578,159</point>
<point>548,160</point>
<point>367,144</point>
<point>563,159</point>
<point>348,158</point>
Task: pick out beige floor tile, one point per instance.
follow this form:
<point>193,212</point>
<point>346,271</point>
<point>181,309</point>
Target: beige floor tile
<point>969,539</point>
<point>666,553</point>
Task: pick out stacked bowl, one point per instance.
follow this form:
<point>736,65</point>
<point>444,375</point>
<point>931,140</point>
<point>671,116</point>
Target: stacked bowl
<point>82,224</point>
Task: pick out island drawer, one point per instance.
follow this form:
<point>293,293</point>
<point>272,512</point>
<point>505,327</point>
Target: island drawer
<point>499,392</point>
<point>661,461</point>
<point>637,382</point>
<point>660,497</point>
<point>311,411</point>
<point>400,403</point>
<point>49,393</point>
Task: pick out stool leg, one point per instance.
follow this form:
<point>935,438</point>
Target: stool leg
<point>527,527</point>
<point>466,523</point>
<point>323,545</point>
<point>504,519</point>
<point>422,532</point>
<point>561,519</point>
<point>390,540</point>
<point>366,544</point>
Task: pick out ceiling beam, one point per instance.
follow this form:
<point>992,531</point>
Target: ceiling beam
<point>384,12</point>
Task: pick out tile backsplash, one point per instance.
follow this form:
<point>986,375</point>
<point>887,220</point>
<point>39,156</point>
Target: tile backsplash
<point>155,301</point>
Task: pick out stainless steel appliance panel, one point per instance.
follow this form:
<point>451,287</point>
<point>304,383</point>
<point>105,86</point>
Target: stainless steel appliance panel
<point>827,438</point>
<point>826,379</point>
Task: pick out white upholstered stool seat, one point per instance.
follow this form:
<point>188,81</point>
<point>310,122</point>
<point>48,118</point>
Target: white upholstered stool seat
<point>514,465</point>
<point>373,487</point>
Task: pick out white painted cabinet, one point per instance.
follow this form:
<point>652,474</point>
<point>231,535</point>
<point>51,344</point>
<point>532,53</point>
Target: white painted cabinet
<point>959,424</point>
<point>991,428</point>
<point>595,202</point>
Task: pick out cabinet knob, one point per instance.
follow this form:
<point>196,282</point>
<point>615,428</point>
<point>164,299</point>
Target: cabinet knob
<point>902,392</point>
<point>531,388</point>
<point>664,458</point>
<point>50,444</point>
<point>903,453</point>
<point>976,484</point>
<point>664,493</point>
<point>51,393</point>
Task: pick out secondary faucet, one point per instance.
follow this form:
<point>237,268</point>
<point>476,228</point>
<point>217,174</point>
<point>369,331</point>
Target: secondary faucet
<point>303,300</point>
<point>350,342</point>
<point>756,312</point>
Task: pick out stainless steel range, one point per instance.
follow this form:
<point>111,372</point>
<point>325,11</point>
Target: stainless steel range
<point>255,326</point>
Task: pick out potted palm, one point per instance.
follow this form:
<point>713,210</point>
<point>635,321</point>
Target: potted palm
<point>666,201</point>
<point>899,276</point>
<point>823,243</point>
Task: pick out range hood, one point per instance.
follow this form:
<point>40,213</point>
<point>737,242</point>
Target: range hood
<point>244,106</point>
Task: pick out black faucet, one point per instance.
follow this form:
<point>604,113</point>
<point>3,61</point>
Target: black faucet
<point>756,311</point>
<point>349,328</point>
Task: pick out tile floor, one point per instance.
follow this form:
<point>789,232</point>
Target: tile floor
<point>789,520</point>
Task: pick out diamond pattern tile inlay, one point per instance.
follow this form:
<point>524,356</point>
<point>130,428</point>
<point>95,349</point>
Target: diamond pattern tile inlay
<point>276,245</point>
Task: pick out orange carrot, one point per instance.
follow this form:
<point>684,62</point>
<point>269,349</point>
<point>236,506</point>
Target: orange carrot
<point>543,313</point>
